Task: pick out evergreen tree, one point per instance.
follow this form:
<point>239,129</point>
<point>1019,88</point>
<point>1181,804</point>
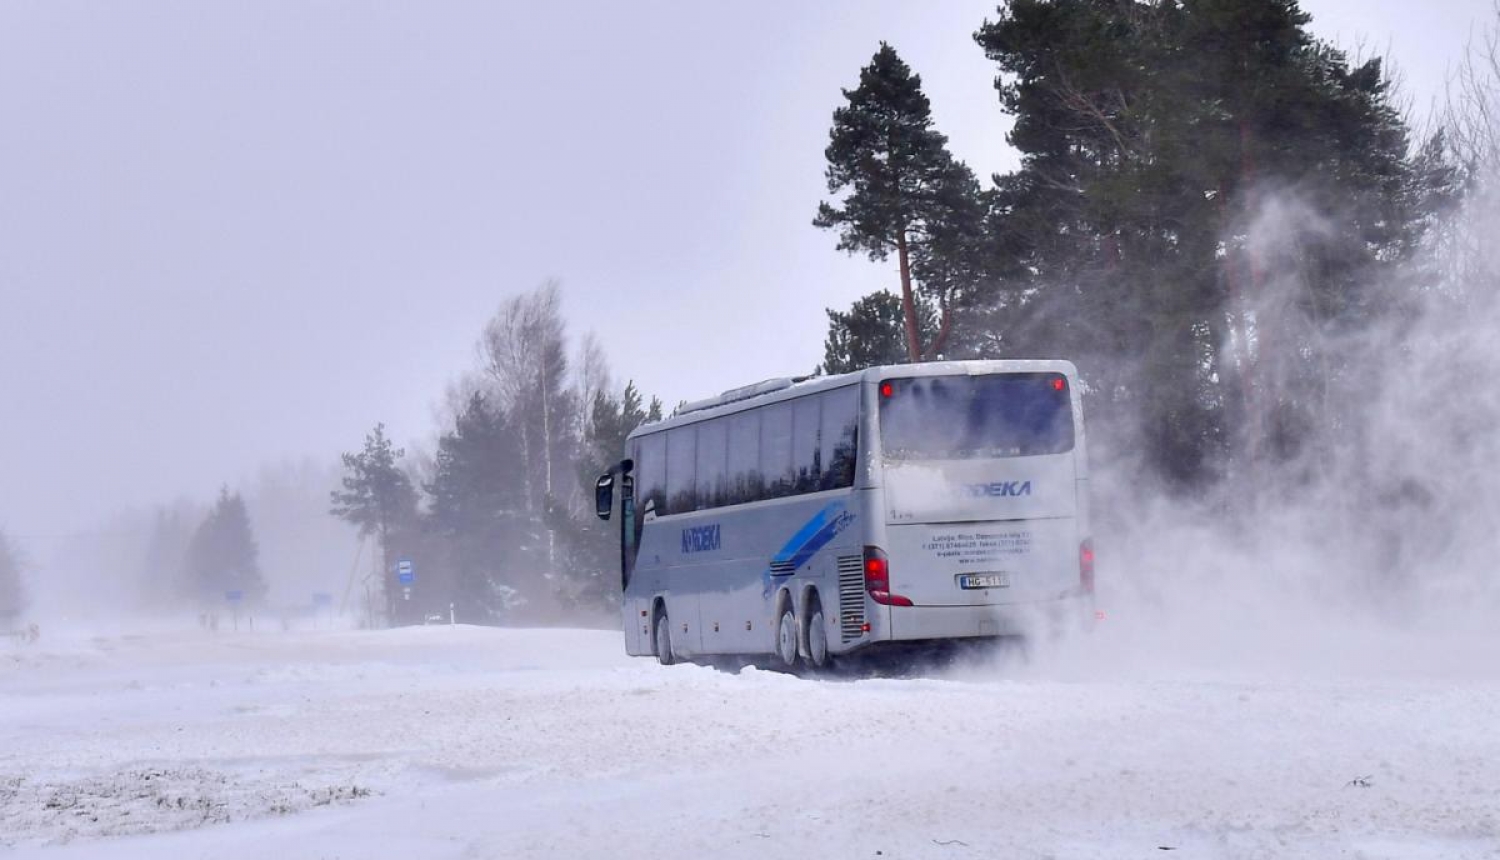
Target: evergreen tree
<point>479,512</point>
<point>222,556</point>
<point>378,499</point>
<point>592,547</point>
<point>13,597</point>
<point>870,333</point>
<point>610,420</point>
<point>905,194</point>
<point>1207,195</point>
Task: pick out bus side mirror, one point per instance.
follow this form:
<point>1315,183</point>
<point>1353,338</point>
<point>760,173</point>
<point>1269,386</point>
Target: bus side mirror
<point>604,495</point>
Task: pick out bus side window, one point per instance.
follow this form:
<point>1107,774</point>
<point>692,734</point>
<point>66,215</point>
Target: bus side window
<point>805,454</point>
<point>682,490</point>
<point>776,451</point>
<point>711,482</point>
<point>745,481</point>
<point>839,437</point>
<point>650,476</point>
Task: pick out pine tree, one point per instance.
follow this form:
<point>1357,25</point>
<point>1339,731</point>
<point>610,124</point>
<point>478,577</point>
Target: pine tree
<point>378,499</point>
<point>222,556</point>
<point>871,332</point>
<point>610,420</point>
<point>1207,194</point>
<point>591,547</point>
<point>479,512</point>
<point>905,194</point>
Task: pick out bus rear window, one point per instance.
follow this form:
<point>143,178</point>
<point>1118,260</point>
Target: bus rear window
<point>975,417</point>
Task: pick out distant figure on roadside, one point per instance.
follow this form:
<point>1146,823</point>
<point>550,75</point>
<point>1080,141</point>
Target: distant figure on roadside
<point>33,632</point>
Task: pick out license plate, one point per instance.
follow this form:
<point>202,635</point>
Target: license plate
<point>984,580</point>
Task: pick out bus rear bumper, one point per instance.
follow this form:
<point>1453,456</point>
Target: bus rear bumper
<point>1046,618</point>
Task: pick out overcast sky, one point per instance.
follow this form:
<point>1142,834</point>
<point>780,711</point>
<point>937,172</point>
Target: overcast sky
<point>240,231</point>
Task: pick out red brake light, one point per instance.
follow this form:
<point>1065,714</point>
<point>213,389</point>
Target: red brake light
<point>878,579</point>
<point>1058,384</point>
<point>877,570</point>
<point>1086,566</point>
<point>887,389</point>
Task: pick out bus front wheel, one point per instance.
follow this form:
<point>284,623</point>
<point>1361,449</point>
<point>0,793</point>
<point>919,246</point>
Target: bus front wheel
<point>786,638</point>
<point>664,640</point>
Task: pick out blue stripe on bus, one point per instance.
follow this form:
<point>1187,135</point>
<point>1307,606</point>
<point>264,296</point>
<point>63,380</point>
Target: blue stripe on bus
<point>819,540</point>
<point>808,532</point>
<point>815,534</point>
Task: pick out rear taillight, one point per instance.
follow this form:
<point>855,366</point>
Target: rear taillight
<point>878,579</point>
<point>877,570</point>
<point>1086,566</point>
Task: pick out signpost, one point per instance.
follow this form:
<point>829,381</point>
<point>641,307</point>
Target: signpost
<point>406,574</point>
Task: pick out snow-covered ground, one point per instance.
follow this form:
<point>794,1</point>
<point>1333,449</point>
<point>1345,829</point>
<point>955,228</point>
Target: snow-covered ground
<point>462,742</point>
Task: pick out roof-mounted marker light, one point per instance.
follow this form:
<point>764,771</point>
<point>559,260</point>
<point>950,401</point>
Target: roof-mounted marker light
<point>887,389</point>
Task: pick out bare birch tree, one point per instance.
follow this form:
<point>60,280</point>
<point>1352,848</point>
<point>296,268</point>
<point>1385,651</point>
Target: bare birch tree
<point>524,355</point>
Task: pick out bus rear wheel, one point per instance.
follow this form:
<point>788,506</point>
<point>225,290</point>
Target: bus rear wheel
<point>817,637</point>
<point>664,640</point>
<point>786,639</point>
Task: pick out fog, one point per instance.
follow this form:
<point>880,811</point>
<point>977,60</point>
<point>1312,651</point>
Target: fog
<point>237,235</point>
<point>1372,554</point>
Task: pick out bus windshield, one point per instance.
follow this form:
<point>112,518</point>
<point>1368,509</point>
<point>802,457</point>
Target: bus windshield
<point>975,417</point>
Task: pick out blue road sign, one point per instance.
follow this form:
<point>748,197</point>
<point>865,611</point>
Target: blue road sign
<point>322,598</point>
<point>234,596</point>
<point>406,572</point>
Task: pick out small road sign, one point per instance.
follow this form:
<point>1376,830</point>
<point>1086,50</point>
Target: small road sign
<point>234,596</point>
<point>406,573</point>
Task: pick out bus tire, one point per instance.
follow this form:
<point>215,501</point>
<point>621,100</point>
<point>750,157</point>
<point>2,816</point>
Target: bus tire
<point>817,635</point>
<point>663,640</point>
<point>786,637</point>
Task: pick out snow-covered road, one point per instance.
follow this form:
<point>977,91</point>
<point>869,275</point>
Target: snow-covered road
<point>466,742</point>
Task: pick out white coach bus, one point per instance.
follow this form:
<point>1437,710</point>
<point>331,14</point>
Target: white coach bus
<point>810,519</point>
